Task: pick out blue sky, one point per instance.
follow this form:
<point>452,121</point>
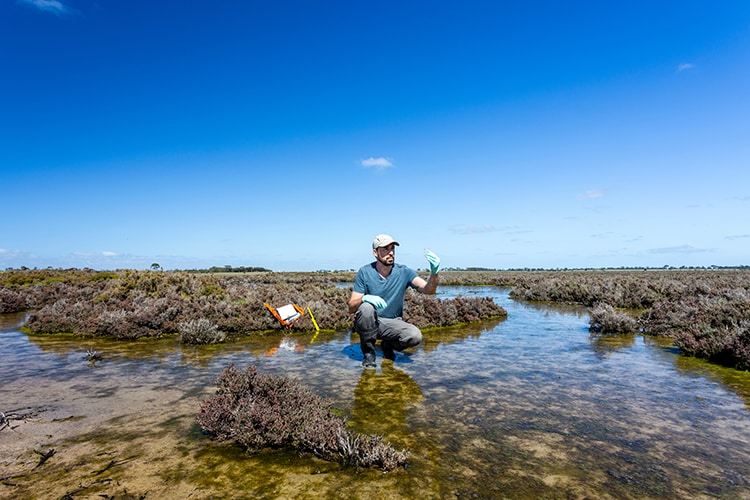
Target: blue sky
<point>288,134</point>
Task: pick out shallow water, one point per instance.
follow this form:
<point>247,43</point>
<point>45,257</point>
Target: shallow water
<point>530,407</point>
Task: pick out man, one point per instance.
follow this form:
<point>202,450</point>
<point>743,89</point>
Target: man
<point>377,300</point>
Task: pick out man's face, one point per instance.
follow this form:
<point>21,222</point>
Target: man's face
<point>386,255</point>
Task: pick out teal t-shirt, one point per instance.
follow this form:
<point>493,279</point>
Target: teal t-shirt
<point>391,289</point>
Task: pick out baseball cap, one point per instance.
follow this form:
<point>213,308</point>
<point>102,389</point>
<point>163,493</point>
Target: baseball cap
<point>383,240</point>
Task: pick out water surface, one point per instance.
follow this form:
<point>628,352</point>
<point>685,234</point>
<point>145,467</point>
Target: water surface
<point>530,407</point>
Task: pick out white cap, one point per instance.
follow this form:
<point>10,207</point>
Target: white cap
<point>383,240</point>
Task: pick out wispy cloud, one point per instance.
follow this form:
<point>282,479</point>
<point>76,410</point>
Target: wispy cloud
<point>738,237</point>
<point>16,259</point>
<point>52,6</point>
<point>486,228</point>
<point>514,230</point>
<point>684,67</point>
<point>605,235</point>
<point>377,163</point>
<point>94,255</point>
<point>591,194</point>
<point>6,253</point>
<point>11,258</point>
<point>468,229</point>
<point>106,259</point>
<point>681,249</point>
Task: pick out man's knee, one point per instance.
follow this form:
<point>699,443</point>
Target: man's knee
<point>366,320</point>
<point>412,336</point>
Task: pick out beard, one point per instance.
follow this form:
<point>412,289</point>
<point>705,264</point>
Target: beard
<point>386,261</point>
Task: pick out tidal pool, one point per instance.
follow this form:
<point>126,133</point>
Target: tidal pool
<point>530,407</point>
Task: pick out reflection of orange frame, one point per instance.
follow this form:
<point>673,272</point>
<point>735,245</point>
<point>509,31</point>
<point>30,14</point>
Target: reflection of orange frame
<point>280,319</point>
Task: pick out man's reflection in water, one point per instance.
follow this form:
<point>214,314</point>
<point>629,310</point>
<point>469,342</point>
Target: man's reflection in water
<point>381,402</point>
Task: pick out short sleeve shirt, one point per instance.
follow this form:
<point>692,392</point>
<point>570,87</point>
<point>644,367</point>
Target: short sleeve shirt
<point>391,289</point>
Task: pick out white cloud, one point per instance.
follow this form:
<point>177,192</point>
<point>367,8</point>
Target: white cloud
<point>682,249</point>
<point>8,254</point>
<point>95,255</point>
<point>605,235</point>
<point>684,67</point>
<point>591,194</point>
<point>377,163</point>
<point>53,6</point>
<point>486,228</point>
<point>16,258</point>
<point>467,229</point>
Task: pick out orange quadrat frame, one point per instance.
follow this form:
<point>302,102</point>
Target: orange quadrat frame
<point>287,320</point>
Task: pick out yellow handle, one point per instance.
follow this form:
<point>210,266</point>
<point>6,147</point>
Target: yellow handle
<point>315,323</point>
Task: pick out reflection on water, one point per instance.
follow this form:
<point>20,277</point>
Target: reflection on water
<point>604,345</point>
<point>531,406</point>
<point>381,402</point>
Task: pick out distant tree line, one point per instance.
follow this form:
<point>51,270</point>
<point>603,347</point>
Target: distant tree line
<point>230,269</point>
<point>256,269</point>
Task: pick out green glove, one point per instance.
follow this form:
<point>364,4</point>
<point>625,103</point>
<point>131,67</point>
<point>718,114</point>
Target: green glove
<point>375,300</point>
<point>434,261</point>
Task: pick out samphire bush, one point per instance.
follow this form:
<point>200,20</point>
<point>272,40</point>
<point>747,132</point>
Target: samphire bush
<point>715,327</point>
<point>427,311</point>
<point>258,411</point>
<point>201,331</point>
<point>606,319</point>
<point>706,312</point>
<point>134,304</point>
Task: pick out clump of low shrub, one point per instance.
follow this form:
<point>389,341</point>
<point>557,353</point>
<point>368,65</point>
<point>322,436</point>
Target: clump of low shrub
<point>11,301</point>
<point>259,411</point>
<point>705,312</point>
<point>716,328</point>
<point>134,304</point>
<point>201,331</point>
<point>426,311</point>
<point>606,319</point>
<point>627,289</point>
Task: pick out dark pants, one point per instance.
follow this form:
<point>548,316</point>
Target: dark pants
<point>395,331</point>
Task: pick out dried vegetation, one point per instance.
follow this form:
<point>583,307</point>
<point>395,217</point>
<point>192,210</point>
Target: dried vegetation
<point>260,411</point>
<point>705,311</point>
<point>201,308</point>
